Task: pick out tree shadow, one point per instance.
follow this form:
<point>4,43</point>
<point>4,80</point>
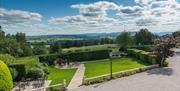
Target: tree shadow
<point>161,71</point>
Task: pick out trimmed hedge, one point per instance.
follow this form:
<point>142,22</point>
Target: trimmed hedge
<point>6,82</point>
<point>143,56</point>
<point>88,56</point>
<point>103,78</point>
<point>76,56</point>
<point>48,58</point>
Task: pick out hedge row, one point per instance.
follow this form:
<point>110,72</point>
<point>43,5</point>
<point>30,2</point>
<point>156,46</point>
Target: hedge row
<point>120,74</point>
<point>141,47</point>
<point>76,56</point>
<point>88,56</point>
<point>48,58</point>
<point>143,56</point>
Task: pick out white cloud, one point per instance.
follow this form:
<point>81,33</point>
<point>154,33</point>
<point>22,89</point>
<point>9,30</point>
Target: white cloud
<point>96,10</point>
<point>17,16</point>
<point>130,10</point>
<point>148,13</point>
<point>95,13</point>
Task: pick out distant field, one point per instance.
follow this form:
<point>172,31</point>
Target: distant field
<point>91,48</point>
<point>32,40</point>
<point>102,67</point>
<point>58,75</point>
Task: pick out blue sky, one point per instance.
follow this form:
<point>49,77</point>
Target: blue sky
<point>55,8</point>
<point>42,17</point>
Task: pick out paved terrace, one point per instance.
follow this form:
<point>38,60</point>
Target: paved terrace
<point>160,79</point>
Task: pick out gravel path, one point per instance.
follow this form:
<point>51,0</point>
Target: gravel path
<point>160,79</point>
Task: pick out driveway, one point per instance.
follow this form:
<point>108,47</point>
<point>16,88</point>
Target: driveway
<point>160,79</point>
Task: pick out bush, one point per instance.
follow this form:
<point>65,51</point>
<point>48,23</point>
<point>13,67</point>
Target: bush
<point>123,49</point>
<point>8,59</point>
<point>6,82</point>
<point>14,73</point>
<point>35,73</point>
<point>91,55</point>
<point>153,59</point>
<point>21,69</point>
<point>165,64</point>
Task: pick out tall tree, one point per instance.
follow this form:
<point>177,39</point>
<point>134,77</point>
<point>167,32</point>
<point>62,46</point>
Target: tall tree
<point>123,39</point>
<point>2,33</point>
<point>144,37</point>
<point>55,47</point>
<point>14,44</point>
<point>40,49</point>
<point>20,37</point>
<point>176,34</point>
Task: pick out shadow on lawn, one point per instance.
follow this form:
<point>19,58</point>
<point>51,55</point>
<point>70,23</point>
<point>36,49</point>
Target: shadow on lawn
<point>161,71</point>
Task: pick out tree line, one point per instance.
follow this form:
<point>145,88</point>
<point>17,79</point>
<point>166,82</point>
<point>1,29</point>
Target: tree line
<point>17,45</point>
<point>142,37</point>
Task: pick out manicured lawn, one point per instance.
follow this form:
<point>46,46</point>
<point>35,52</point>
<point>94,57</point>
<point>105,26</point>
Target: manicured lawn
<point>91,48</point>
<point>101,67</point>
<point>27,60</point>
<point>58,75</point>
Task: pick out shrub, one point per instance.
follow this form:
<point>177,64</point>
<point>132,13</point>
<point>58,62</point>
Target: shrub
<point>165,64</point>
<point>21,69</point>
<point>6,82</point>
<point>153,59</point>
<point>123,48</point>
<point>35,73</point>
<point>14,73</point>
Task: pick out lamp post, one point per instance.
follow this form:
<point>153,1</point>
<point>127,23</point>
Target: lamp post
<point>110,60</point>
<point>110,68</point>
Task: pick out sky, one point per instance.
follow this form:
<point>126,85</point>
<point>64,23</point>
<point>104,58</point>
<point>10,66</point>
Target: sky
<point>44,17</point>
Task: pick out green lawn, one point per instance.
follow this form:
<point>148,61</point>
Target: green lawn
<point>91,48</point>
<point>27,60</point>
<point>58,75</point>
<point>101,67</point>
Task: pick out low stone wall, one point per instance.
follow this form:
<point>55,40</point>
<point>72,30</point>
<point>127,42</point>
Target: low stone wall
<point>103,78</point>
